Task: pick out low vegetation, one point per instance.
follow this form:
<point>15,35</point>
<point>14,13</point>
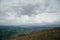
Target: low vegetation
<point>26,34</point>
<point>50,34</point>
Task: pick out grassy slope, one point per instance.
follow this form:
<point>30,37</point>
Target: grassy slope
<point>51,34</point>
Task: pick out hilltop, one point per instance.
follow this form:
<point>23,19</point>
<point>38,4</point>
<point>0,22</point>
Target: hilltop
<point>49,34</point>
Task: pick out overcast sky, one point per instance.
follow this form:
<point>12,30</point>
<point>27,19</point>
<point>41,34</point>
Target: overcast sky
<point>25,12</point>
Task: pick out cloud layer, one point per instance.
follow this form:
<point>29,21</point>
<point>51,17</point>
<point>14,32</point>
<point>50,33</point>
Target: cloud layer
<point>24,12</point>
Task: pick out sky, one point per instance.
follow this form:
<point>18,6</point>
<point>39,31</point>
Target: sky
<point>25,12</point>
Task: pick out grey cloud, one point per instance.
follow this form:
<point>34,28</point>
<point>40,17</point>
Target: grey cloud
<point>18,8</point>
<point>27,9</point>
